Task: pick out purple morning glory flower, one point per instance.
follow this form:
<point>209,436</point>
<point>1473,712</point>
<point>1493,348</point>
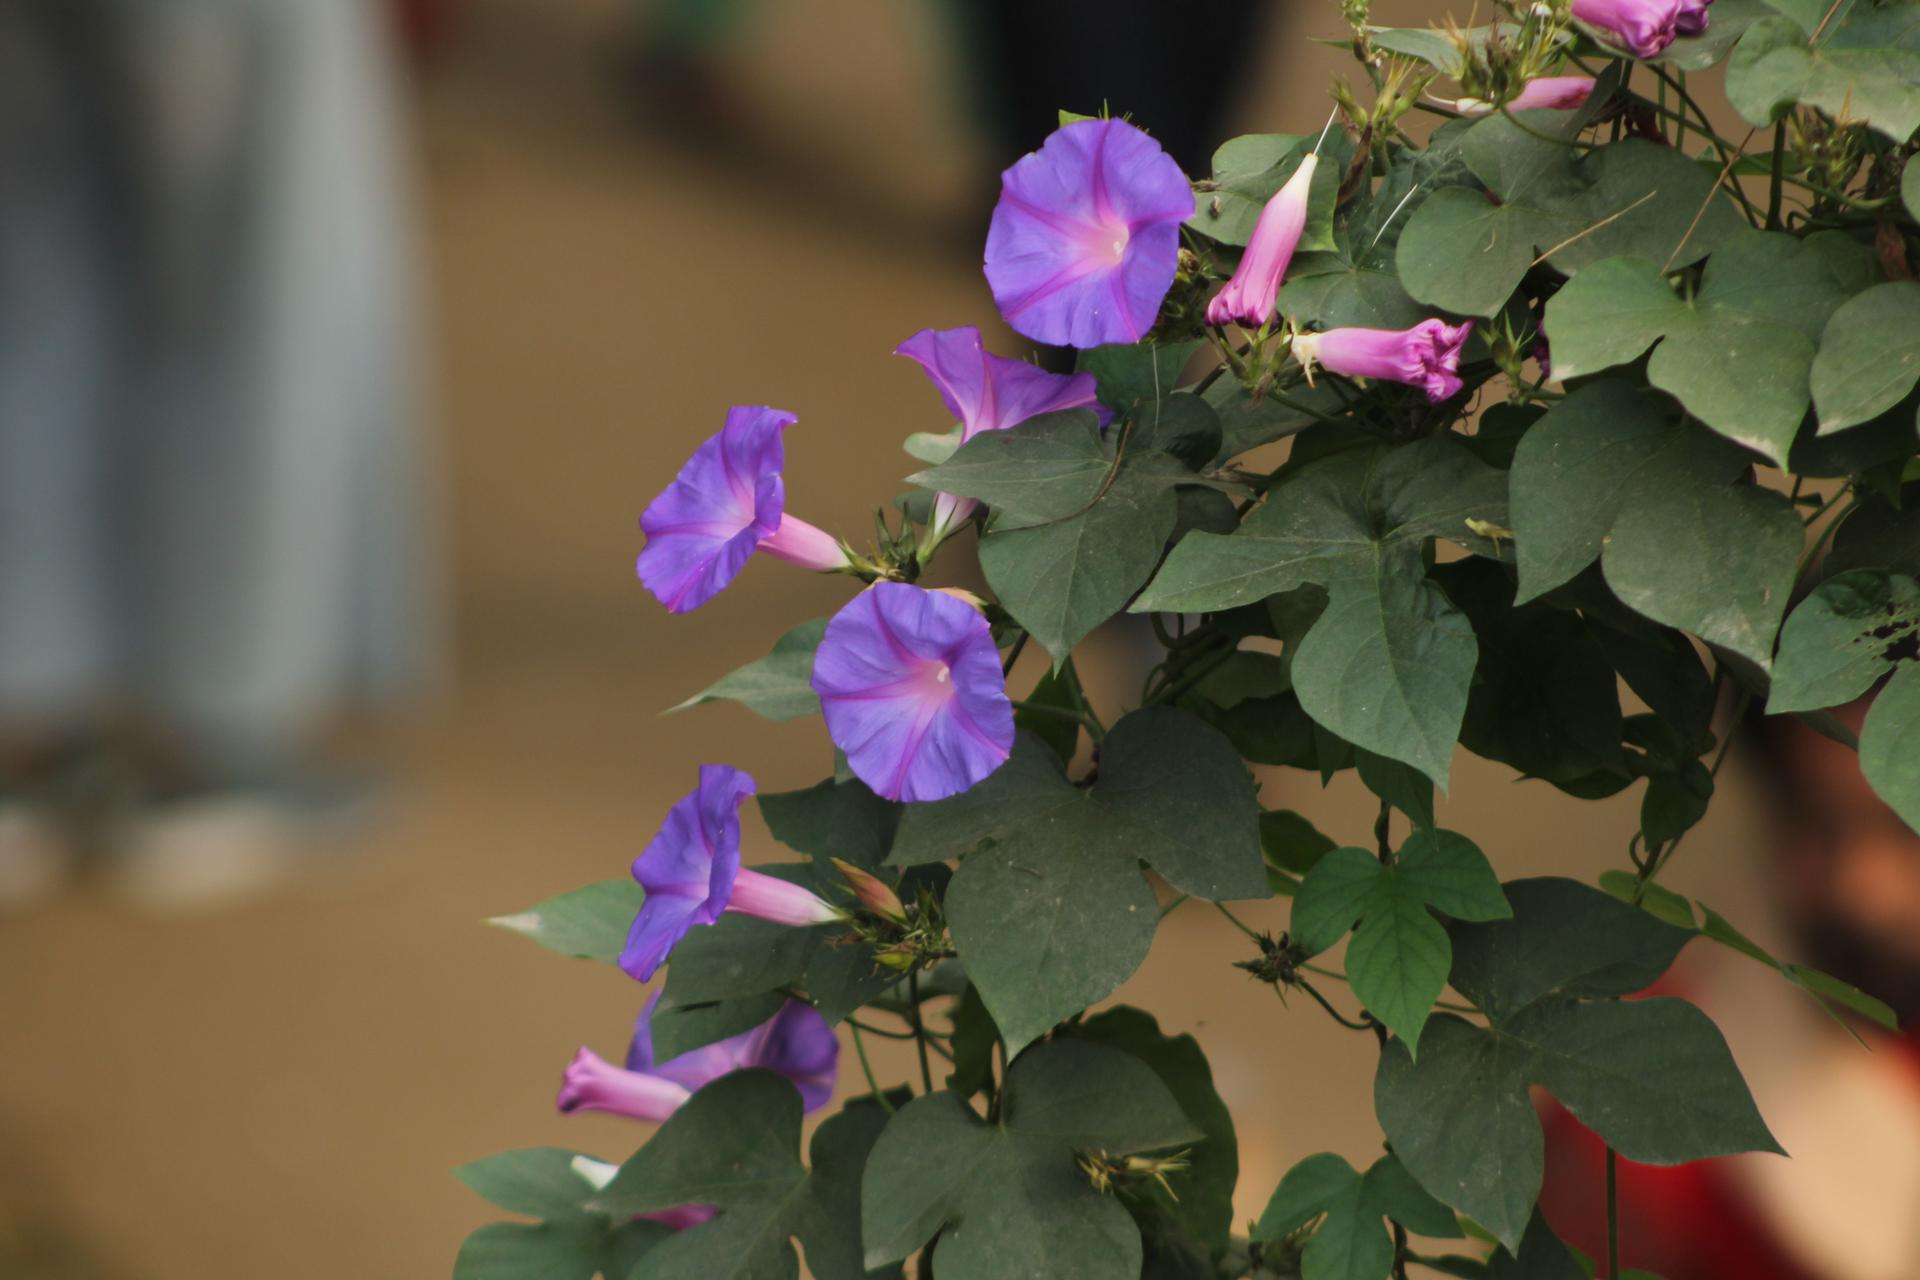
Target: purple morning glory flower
<point>691,871</point>
<point>910,685</point>
<point>989,393</point>
<point>1086,237</point>
<point>1641,27</point>
<point>726,503</point>
<point>1426,356</point>
<point>796,1042</point>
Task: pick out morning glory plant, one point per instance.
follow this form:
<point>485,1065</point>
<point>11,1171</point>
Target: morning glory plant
<point>1316,459</point>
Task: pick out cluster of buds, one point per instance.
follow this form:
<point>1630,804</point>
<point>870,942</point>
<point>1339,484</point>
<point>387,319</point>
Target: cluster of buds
<point>1513,342</point>
<point>902,936</point>
<point>896,556</point>
<point>1399,83</point>
<point>1510,66</point>
<point>1827,151</point>
<point>1108,1173</point>
<point>1183,314</point>
<point>1278,963</point>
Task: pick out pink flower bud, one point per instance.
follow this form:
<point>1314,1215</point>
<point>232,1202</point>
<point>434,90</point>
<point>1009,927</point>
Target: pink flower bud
<point>1426,356</point>
<point>872,892</point>
<point>1248,297</point>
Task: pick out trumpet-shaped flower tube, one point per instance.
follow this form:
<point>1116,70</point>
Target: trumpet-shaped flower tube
<point>1086,238</point>
<point>1641,27</point>
<point>691,871</point>
<point>1248,297</point>
<point>989,393</point>
<point>910,685</point>
<point>1549,93</point>
<point>1426,356</point>
<point>728,502</point>
<point>796,1042</point>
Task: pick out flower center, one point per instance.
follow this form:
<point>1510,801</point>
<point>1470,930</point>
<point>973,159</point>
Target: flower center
<point>1118,247</point>
<point>934,681</point>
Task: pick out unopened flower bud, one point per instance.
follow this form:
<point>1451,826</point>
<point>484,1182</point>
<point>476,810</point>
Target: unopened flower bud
<point>871,892</point>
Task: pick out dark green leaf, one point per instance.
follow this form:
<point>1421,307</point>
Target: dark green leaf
<point>1674,803</point>
<point>837,818</point>
<point>974,1037</point>
<point>1387,664</point>
<point>1565,938</point>
<point>679,1030</point>
<point>1466,253</point>
<point>576,1250</point>
<point>1545,697</point>
<point>1737,354</point>
<point>1402,786</point>
<point>1683,537</point>
<point>1351,1243</point>
<point>1054,689</point>
<point>1652,1077</point>
<point>540,1182</point>
<point>1291,842</point>
<point>1052,914</point>
<point>1063,578</point>
<point>1183,426</point>
<point>778,686</point>
<point>1399,956</point>
<point>588,924</point>
<point>1127,376</point>
<point>1006,1200</point>
<point>1890,744</point>
<point>1204,1207</point>
<point>1869,355</point>
<point>735,1145</point>
<point>1866,67</point>
<point>1047,468</point>
<point>740,955</point>
<point>1848,633</point>
<point>1247,423</point>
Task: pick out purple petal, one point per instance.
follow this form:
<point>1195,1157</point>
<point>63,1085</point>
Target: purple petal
<point>1085,240</point>
<point>910,686</point>
<point>703,528</point>
<point>799,1044</point>
<point>988,392</point>
<point>796,1042</point>
<point>688,868</point>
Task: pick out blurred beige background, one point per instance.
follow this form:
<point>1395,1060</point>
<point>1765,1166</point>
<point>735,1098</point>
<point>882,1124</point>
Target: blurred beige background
<point>282,1090</point>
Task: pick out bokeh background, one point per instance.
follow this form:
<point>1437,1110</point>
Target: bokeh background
<point>613,246</point>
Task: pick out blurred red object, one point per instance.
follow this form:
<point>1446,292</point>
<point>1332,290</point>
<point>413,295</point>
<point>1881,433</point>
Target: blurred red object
<point>423,25</point>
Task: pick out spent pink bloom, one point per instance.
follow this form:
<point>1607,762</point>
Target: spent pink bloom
<point>1248,297</point>
<point>1426,356</point>
<point>1642,27</point>
<point>1543,93</point>
<point>1692,19</point>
